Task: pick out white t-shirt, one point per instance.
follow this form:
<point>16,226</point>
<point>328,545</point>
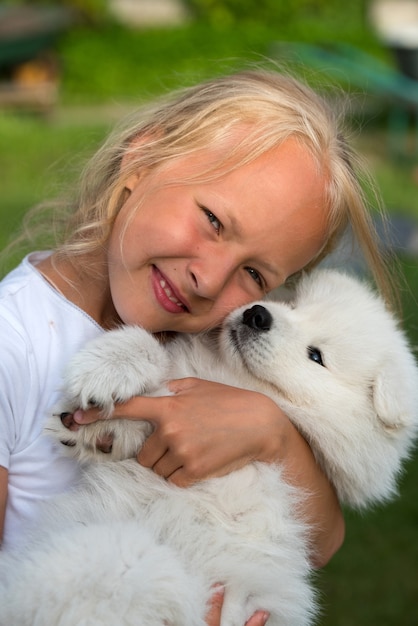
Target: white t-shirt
<point>39,332</point>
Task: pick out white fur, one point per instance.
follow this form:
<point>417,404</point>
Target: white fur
<point>126,547</point>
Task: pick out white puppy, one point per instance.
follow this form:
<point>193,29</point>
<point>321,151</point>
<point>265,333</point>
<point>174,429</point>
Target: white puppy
<point>126,547</point>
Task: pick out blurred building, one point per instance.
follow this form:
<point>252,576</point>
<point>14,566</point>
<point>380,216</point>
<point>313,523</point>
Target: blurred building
<point>396,23</point>
<point>149,12</point>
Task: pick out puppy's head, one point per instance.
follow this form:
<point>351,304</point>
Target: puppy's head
<point>337,363</point>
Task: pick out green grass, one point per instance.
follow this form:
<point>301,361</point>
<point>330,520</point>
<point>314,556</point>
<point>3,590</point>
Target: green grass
<point>39,160</point>
<point>372,581</point>
<point>115,63</point>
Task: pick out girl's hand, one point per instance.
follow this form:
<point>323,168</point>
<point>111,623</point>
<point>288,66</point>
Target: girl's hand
<point>213,617</point>
<point>205,429</point>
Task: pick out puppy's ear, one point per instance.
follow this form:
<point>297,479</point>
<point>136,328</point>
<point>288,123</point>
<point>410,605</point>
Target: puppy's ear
<point>394,394</point>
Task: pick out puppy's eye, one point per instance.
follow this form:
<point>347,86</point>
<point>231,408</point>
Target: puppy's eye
<point>315,355</point>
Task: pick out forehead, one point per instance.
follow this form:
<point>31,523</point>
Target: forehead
<point>239,146</point>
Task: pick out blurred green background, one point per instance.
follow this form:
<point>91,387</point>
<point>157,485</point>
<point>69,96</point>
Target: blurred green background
<point>103,68</point>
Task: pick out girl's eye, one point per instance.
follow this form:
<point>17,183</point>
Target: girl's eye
<point>213,220</point>
<point>255,276</point>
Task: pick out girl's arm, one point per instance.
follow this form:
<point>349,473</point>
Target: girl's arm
<point>208,429</point>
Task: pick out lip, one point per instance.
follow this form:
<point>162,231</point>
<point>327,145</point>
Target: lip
<point>171,302</point>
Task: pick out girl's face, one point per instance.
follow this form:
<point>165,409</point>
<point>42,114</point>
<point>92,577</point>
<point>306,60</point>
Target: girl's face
<point>192,253</point>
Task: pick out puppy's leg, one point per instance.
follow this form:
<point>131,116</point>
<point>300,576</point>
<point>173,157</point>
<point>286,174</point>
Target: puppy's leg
<point>112,368</point>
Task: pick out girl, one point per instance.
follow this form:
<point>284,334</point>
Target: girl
<point>205,202</point>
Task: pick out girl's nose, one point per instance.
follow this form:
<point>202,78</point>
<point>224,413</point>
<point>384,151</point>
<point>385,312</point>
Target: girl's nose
<point>210,276</point>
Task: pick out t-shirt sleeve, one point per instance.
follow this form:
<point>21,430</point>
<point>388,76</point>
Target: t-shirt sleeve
<point>15,382</point>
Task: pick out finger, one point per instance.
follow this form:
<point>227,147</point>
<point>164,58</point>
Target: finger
<point>137,408</point>
<point>213,616</point>
<point>166,467</point>
<point>180,478</point>
<point>159,458</point>
<point>87,417</point>
<point>152,452</point>
<point>258,619</point>
<point>140,408</point>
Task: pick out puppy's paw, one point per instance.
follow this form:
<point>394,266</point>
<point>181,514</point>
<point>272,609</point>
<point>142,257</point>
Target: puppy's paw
<point>113,368</point>
<point>112,440</point>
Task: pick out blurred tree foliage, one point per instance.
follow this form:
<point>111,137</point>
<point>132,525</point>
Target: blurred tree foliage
<point>269,11</point>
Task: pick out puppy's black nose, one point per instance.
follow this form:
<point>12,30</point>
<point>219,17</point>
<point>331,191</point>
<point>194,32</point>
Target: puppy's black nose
<point>258,318</point>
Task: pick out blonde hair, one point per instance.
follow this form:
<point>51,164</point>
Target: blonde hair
<point>271,106</point>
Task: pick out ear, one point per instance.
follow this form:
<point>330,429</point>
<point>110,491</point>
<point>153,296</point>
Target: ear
<point>394,394</point>
<point>132,181</point>
<point>126,165</point>
<point>129,157</point>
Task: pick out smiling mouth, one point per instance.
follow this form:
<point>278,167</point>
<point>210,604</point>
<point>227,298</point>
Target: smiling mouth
<point>170,295</point>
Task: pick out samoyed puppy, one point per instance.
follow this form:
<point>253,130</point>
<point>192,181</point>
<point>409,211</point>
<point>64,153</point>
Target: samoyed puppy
<point>126,547</point>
